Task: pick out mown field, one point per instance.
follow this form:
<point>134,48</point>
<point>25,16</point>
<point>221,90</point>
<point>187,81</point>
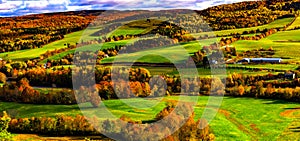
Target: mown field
<point>285,43</point>
<point>176,53</point>
<point>23,55</point>
<point>268,66</point>
<point>295,24</point>
<point>237,118</point>
<point>275,24</point>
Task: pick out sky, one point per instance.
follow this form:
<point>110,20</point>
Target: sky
<point>10,8</point>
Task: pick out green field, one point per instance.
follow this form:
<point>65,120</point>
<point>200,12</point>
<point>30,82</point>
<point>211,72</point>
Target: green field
<point>268,66</point>
<point>287,36</point>
<point>296,23</point>
<point>124,31</point>
<point>284,43</point>
<point>190,47</point>
<point>237,119</point>
<point>93,47</point>
<point>71,38</point>
<point>203,72</point>
<point>276,23</point>
<point>176,53</point>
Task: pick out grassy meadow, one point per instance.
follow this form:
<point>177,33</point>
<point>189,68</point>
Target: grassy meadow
<point>284,43</point>
<point>296,23</point>
<point>275,24</point>
<point>237,118</point>
<point>23,55</point>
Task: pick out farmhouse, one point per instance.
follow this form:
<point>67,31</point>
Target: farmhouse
<point>289,75</point>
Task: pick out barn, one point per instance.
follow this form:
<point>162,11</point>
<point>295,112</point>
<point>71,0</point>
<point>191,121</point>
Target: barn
<point>266,60</point>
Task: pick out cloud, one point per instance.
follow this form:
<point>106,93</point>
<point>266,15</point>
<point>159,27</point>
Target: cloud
<point>23,7</point>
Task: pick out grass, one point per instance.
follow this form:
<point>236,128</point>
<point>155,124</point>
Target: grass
<point>204,72</point>
<point>124,31</point>
<point>292,35</point>
<point>72,38</point>
<point>48,90</point>
<point>119,31</point>
<point>268,66</point>
<point>190,47</point>
<point>23,55</point>
<point>276,23</point>
<point>287,48</point>
<point>92,47</point>
<point>174,54</point>
<point>296,23</point>
<point>245,118</point>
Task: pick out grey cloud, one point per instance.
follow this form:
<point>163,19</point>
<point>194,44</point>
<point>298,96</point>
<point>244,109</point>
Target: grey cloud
<point>23,7</point>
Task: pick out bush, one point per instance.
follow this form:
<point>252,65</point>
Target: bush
<point>60,125</point>
<point>2,77</point>
<point>4,124</point>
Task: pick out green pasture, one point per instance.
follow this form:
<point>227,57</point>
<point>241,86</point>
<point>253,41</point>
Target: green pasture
<point>49,90</point>
<point>71,38</point>
<point>92,47</point>
<point>268,66</point>
<point>190,47</point>
<point>129,31</point>
<point>237,119</point>
<point>285,36</point>
<point>285,44</point>
<point>275,24</point>
<point>168,54</point>
<point>202,72</point>
<point>86,36</point>
<point>296,23</point>
<point>158,55</point>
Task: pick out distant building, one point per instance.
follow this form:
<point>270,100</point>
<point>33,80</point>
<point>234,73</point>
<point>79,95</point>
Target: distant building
<point>289,75</point>
<point>261,60</point>
<point>266,60</point>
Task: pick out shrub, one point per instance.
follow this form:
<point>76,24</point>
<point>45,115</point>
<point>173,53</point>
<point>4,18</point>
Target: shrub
<point>4,124</point>
<point>2,77</point>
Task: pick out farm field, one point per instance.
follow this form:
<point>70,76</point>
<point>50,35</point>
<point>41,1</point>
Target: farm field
<point>295,24</point>
<point>23,55</point>
<point>285,49</point>
<point>203,72</point>
<point>275,24</point>
<point>268,66</point>
<point>122,30</point>
<point>242,118</point>
<point>155,55</point>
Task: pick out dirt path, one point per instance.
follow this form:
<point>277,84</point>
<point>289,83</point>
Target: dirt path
<point>252,130</point>
<point>289,113</point>
<point>292,132</point>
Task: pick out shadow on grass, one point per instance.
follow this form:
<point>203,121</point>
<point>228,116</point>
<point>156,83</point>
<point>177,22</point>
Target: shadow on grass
<point>278,102</point>
<point>296,108</point>
<point>17,110</point>
<point>295,128</point>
